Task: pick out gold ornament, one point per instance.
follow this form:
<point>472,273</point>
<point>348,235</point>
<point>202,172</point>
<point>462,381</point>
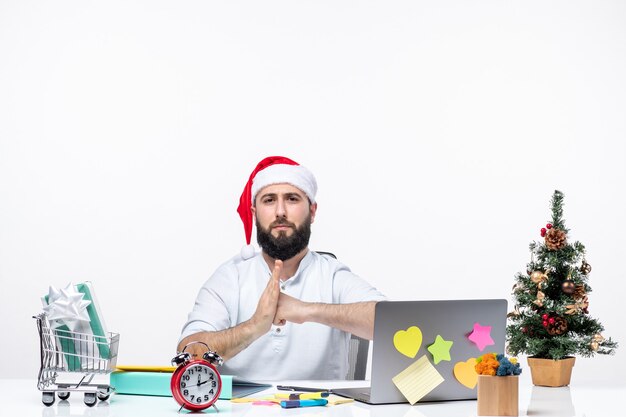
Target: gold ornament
<point>514,313</point>
<point>539,278</point>
<point>555,239</point>
<point>596,340</point>
<point>540,297</point>
<point>568,287</point>
<point>585,268</point>
<point>578,307</point>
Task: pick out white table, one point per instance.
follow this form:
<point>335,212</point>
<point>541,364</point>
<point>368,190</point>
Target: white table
<point>20,397</point>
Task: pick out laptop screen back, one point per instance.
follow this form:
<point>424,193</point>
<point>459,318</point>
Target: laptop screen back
<point>474,327</point>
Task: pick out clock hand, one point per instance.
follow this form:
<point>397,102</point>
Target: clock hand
<point>203,382</point>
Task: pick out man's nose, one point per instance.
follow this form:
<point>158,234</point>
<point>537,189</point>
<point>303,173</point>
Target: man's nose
<point>280,208</point>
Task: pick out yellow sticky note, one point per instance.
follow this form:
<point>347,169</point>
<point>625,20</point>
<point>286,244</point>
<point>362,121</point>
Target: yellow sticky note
<point>336,400</point>
<point>408,341</point>
<point>417,380</point>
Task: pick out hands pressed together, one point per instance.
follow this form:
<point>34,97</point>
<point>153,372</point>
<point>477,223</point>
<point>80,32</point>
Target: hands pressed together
<point>275,307</point>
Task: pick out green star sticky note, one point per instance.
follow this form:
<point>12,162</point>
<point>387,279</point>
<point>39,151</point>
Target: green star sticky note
<point>440,349</point>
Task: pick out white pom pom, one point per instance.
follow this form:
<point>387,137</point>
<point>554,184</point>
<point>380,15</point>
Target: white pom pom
<point>247,252</point>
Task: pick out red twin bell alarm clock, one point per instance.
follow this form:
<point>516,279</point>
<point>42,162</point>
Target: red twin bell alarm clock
<point>196,384</point>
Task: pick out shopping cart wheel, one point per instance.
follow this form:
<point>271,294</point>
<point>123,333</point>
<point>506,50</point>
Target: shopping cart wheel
<point>63,395</point>
<point>47,398</point>
<point>103,396</point>
<point>90,399</point>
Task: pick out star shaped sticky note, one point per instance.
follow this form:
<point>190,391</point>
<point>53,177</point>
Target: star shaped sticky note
<point>440,349</point>
<point>481,336</point>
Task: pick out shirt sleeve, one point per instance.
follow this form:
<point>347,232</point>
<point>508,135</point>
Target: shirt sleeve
<point>214,304</point>
<point>350,288</point>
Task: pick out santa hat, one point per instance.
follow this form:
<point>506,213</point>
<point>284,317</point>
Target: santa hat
<point>272,170</point>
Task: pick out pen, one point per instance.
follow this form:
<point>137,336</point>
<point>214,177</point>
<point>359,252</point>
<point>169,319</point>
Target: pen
<point>305,389</point>
<point>303,396</point>
<point>303,403</point>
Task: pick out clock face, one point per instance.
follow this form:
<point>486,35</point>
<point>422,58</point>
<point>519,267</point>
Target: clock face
<point>199,385</point>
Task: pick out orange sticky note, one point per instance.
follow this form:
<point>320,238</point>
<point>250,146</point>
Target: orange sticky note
<point>465,373</point>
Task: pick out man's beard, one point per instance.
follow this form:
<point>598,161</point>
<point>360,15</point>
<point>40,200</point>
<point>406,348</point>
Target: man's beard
<point>284,247</point>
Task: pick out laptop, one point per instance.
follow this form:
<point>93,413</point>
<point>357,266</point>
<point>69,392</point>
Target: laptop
<point>454,321</point>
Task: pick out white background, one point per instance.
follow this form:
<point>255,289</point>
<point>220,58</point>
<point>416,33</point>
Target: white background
<point>437,131</point>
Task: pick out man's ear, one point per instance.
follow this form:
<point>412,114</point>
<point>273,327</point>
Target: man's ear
<point>313,209</point>
<point>253,210</point>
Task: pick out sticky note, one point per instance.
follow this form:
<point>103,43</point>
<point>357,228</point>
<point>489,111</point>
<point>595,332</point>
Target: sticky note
<point>417,380</point>
<point>336,400</point>
<point>465,373</point>
<point>481,336</point>
<point>440,349</point>
<point>408,341</point>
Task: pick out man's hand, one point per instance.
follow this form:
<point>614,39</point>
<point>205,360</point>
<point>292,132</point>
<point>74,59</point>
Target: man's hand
<point>230,342</point>
<point>355,318</point>
<point>291,309</point>
<point>268,303</point>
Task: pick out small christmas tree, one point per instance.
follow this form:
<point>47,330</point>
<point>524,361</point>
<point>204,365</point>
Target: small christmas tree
<point>551,316</point>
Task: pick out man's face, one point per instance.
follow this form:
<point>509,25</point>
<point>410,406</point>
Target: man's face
<point>283,220</point>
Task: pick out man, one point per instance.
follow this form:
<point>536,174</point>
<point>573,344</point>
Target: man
<point>286,312</point>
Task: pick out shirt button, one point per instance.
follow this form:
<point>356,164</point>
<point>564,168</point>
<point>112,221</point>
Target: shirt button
<point>278,330</point>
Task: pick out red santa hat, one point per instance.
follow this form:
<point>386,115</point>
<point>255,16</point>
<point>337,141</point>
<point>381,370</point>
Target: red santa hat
<point>272,170</point>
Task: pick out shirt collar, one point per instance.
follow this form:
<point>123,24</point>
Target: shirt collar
<point>304,263</point>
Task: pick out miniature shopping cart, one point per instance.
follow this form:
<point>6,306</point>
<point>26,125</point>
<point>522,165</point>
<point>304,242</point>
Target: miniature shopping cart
<point>70,361</point>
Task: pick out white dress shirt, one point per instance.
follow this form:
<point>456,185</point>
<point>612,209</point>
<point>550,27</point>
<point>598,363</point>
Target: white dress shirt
<point>293,351</point>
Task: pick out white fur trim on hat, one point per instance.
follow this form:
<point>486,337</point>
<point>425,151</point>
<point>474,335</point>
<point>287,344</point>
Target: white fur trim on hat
<point>296,175</point>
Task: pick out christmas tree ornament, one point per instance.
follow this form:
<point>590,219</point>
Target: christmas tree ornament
<point>579,292</point>
<point>555,239</point>
<point>578,307</point>
<point>540,297</point>
<point>585,268</point>
<point>514,313</point>
<point>557,326</point>
<point>543,232</point>
<point>539,278</point>
<point>594,346</point>
<point>568,287</point>
<point>549,226</point>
